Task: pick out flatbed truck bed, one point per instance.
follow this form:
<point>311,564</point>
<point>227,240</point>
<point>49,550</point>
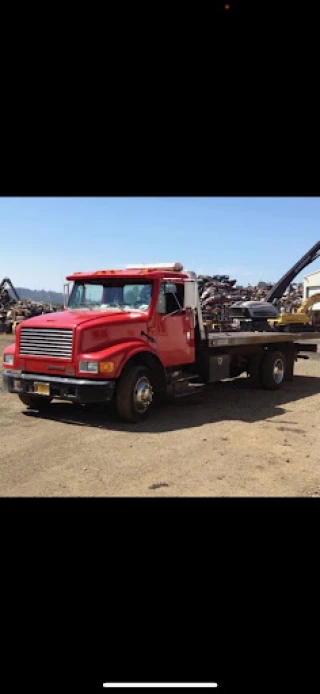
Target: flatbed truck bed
<point>232,339</point>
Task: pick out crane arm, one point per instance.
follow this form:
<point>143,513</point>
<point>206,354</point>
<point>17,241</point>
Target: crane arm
<point>5,281</point>
<point>280,287</point>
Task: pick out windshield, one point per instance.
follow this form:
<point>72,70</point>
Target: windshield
<point>126,295</point>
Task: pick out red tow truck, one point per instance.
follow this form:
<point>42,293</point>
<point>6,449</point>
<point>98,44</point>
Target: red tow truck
<point>130,335</point>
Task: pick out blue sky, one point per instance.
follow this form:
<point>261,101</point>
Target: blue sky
<point>250,239</point>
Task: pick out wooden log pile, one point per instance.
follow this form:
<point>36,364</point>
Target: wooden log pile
<point>13,312</point>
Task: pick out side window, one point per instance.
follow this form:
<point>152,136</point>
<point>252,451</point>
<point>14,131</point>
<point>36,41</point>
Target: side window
<point>171,298</point>
<point>180,294</point>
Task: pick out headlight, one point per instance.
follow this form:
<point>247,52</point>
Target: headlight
<point>89,367</point>
<point>8,359</point>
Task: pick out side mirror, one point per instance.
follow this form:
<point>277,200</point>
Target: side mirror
<point>66,294</point>
<point>191,295</point>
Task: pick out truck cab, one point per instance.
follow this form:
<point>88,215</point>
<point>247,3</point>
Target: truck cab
<point>120,336</point>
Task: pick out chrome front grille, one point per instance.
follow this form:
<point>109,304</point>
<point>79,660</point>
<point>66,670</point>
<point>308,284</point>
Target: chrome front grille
<point>46,342</point>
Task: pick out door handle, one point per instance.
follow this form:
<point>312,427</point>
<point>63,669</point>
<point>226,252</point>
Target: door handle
<point>148,336</point>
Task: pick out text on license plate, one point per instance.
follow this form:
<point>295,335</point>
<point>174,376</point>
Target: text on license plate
<point>42,388</point>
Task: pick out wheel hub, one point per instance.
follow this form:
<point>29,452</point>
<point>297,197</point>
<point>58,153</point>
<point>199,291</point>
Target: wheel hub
<point>278,371</point>
<point>143,394</point>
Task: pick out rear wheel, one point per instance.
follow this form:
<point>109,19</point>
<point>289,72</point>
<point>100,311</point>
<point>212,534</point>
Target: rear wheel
<point>273,369</point>
<point>134,394</point>
<point>36,403</point>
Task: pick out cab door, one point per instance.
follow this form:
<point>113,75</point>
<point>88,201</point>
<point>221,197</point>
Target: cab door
<point>175,338</point>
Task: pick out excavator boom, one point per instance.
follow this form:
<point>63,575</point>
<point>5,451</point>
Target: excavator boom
<point>5,281</point>
<point>280,287</point>
<point>307,303</point>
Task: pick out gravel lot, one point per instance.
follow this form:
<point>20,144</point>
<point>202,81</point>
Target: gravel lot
<point>230,440</point>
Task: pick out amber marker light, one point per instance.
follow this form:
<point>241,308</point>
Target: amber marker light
<point>106,367</point>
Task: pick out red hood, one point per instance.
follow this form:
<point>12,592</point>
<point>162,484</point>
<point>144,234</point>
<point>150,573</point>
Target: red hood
<point>71,319</point>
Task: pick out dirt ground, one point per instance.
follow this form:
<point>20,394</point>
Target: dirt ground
<point>230,440</point>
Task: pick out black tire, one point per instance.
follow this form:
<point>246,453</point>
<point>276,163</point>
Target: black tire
<point>129,408</point>
<point>35,402</point>
<point>273,370</point>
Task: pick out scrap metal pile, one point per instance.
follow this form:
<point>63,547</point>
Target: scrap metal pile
<point>219,292</point>
<point>14,310</point>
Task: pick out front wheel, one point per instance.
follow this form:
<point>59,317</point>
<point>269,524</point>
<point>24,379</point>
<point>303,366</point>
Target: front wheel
<point>134,394</point>
<point>36,403</point>
<point>273,370</point>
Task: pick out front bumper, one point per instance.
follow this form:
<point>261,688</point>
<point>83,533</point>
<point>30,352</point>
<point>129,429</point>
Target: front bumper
<point>81,390</point>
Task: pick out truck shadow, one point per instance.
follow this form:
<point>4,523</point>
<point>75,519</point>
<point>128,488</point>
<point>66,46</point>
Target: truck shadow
<point>229,400</point>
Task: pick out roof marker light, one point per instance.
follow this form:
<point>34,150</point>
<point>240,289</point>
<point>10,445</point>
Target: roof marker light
<point>174,267</point>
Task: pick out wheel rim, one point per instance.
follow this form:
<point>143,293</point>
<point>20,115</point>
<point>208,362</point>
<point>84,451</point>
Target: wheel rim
<point>278,371</point>
<point>142,394</point>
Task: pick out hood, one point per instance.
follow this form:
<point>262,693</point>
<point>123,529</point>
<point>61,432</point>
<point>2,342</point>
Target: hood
<point>71,319</point>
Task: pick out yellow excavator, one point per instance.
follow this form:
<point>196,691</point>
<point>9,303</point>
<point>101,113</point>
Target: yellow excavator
<point>265,315</point>
<point>300,317</point>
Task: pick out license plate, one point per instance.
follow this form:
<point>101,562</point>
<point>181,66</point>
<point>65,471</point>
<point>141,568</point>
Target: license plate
<point>42,388</point>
